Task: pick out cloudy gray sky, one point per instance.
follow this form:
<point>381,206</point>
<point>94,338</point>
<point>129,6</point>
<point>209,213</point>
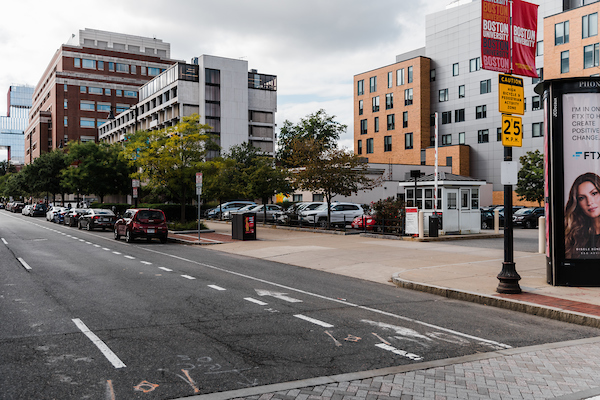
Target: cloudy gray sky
<point>315,47</point>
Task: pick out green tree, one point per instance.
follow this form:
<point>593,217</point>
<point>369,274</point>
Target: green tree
<point>15,185</point>
<point>221,181</point>
<point>319,127</point>
<point>171,157</point>
<point>45,172</point>
<point>530,184</point>
<point>6,167</point>
<point>328,171</point>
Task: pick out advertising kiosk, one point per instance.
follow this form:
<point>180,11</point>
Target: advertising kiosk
<point>572,184</point>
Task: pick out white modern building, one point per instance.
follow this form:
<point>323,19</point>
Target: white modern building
<point>13,125</point>
<point>238,104</point>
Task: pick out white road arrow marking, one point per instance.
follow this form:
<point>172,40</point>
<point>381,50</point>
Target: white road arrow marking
<point>277,295</point>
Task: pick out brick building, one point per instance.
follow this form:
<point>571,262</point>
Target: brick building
<point>84,80</point>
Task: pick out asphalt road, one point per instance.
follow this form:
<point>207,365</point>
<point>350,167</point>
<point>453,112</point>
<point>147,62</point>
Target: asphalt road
<point>85,316</point>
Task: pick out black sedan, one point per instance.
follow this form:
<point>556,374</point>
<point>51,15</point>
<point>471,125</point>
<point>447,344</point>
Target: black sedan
<point>97,218</point>
<point>487,219</point>
<point>72,216</point>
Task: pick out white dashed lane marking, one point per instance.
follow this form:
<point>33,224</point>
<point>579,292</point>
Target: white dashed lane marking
<point>314,321</point>
<point>216,287</point>
<point>260,303</point>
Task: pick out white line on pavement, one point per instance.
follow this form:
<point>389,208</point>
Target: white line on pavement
<point>146,262</point>
<point>260,303</point>
<point>108,353</point>
<point>116,252</point>
<point>314,321</point>
<point>188,277</point>
<point>130,257</point>
<point>25,265</point>
<point>164,269</point>
<point>216,287</point>
<point>4,241</point>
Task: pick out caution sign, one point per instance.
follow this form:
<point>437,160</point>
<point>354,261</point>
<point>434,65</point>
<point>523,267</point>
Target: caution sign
<point>512,131</point>
<point>511,96</point>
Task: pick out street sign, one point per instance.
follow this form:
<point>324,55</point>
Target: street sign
<point>511,96</point>
<point>512,131</point>
<point>135,183</point>
<point>198,183</point>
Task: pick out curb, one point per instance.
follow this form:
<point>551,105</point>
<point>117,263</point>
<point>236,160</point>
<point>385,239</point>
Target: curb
<point>555,313</point>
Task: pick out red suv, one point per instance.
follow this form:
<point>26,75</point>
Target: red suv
<point>144,222</point>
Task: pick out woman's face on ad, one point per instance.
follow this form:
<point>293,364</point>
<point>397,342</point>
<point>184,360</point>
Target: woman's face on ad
<point>588,199</point>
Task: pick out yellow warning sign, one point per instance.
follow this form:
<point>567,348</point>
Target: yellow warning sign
<point>511,96</point>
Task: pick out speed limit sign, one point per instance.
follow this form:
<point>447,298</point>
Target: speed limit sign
<point>512,131</point>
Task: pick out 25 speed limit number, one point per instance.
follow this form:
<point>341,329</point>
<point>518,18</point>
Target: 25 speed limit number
<point>512,131</point>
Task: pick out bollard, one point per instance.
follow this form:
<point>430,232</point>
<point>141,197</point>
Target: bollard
<point>421,225</point>
<point>542,235</point>
<point>496,221</point>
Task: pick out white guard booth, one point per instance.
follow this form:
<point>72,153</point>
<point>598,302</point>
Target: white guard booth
<point>457,201</point>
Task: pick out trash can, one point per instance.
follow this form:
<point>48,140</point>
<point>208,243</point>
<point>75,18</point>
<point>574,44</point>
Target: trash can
<point>243,226</point>
<point>434,225</point>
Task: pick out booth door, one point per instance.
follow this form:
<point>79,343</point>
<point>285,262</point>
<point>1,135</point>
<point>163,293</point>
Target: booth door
<point>451,211</point>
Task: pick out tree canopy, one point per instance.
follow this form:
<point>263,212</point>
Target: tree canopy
<point>530,184</point>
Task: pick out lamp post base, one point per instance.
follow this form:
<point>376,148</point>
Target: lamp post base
<point>509,279</point>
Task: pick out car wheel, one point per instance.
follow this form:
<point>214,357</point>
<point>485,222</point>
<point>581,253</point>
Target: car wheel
<point>116,234</point>
<point>148,239</point>
<point>485,225</point>
<point>528,224</point>
<point>79,226</point>
<point>88,226</point>
<point>128,237</point>
<point>323,222</point>
<point>163,239</point>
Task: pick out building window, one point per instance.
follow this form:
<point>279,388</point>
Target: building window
<point>111,66</point>
<point>408,140</point>
<point>400,77</point>
<point>561,33</point>
<point>119,93</point>
<point>376,124</point>
<point>360,87</point>
<point>485,86</point>
<point>461,138</point>
<point>564,62</point>
<point>130,93</point>
<point>370,146</point>
<point>390,79</point>
<point>459,115</point>
<point>540,72</point>
<point>297,198</point>
<point>480,112</point>
<point>133,69</point>
<point>363,126</point>
<point>536,103</point>
<point>77,62</point>
<point>389,101</point>
<point>65,104</point>
<point>410,74</point>
<point>154,71</point>
<point>391,122</point>
<point>590,56</point>
<point>447,139</point>
<point>103,107</point>
<point>461,91</point>
<point>65,121</point>
<point>95,90</point>
<point>446,117</point>
<point>87,105</point>
<point>589,25</point>
<point>405,119</point>
<point>87,123</point>
<point>408,97</point>
<point>359,147</point>
<point>89,64</point>
<point>65,87</point>
<point>474,64</point>
<point>107,92</point>
<point>443,95</point>
<point>360,107</point>
<point>498,134</point>
<point>375,102</point>
<point>483,136</point>
<point>537,129</point>
<point>82,89</point>
<point>539,49</point>
<point>432,75</point>
<point>123,68</point>
<point>387,143</point>
<point>373,84</point>
<point>318,197</point>
<point>455,69</point>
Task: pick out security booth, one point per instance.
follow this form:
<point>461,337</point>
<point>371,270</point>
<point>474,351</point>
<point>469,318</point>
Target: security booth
<point>572,180</point>
<point>243,226</point>
<point>457,209</point>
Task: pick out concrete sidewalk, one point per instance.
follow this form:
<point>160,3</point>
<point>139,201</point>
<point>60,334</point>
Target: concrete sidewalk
<point>569,369</point>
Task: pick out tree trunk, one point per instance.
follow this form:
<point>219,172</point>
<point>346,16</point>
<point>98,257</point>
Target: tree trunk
<point>182,201</point>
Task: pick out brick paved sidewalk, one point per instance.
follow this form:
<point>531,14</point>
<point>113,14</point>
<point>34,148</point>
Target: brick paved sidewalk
<point>566,370</point>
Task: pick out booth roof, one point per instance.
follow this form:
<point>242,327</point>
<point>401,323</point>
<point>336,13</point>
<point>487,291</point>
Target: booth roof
<point>446,177</point>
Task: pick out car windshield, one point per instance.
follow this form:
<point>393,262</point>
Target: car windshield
<point>320,207</point>
<point>103,212</point>
<point>524,211</point>
<point>149,215</point>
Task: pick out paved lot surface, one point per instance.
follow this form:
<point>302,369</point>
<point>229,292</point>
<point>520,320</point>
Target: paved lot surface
<point>567,370</point>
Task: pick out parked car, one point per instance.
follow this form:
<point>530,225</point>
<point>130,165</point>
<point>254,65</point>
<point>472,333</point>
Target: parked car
<point>52,211</point>
<point>229,213</point>
<point>17,207</point>
<point>487,219</point>
<point>341,214</point>
<point>26,210</point>
<point>365,222</point>
<point>272,210</point>
<point>59,217</point>
<point>229,206</point>
<point>71,217</point>
<point>145,223</point>
<point>97,218</point>
<point>292,215</point>
<point>528,217</point>
<point>38,210</point>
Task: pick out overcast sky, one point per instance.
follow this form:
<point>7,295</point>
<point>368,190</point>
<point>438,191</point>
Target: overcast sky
<point>315,47</point>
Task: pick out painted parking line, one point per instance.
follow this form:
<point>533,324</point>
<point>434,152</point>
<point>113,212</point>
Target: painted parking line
<point>314,321</point>
<point>108,353</point>
<point>260,303</point>
<point>188,277</point>
<point>24,264</point>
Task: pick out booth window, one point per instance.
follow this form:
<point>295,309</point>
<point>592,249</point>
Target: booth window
<point>451,197</point>
<point>474,199</point>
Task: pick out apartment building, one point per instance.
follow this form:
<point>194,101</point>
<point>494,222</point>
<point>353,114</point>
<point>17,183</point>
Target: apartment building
<point>238,104</point>
<point>13,125</point>
<point>92,74</point>
<point>572,45</point>
<point>464,96</point>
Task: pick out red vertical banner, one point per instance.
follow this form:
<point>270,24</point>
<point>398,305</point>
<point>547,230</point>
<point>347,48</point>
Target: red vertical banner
<point>524,37</point>
<point>495,35</point>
